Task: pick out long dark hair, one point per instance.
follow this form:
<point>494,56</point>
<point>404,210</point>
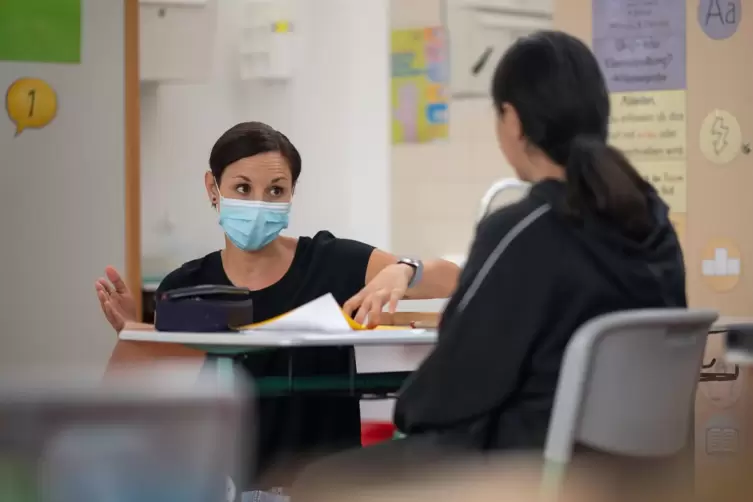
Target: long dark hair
<point>555,85</point>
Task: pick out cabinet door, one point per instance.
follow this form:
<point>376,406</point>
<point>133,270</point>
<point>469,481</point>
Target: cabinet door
<point>478,39</point>
<point>176,39</point>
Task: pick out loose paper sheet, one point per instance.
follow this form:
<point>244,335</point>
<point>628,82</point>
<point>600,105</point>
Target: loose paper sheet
<point>322,315</point>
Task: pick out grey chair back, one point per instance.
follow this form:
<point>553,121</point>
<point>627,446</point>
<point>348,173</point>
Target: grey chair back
<point>627,384</point>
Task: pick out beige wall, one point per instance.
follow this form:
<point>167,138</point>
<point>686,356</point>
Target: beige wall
<point>719,205</point>
<point>719,202</point>
<point>436,188</point>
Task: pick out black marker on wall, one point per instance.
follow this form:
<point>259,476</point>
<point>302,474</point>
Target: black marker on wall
<point>482,61</point>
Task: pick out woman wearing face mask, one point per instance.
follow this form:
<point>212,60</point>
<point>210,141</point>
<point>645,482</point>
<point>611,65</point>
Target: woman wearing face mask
<point>590,238</point>
<point>253,174</point>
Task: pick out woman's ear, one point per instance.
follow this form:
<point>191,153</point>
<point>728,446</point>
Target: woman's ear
<point>511,121</point>
<point>212,190</point>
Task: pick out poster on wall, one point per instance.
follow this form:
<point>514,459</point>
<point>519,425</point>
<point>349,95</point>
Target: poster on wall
<point>640,44</point>
<point>419,85</point>
<point>641,49</point>
<point>650,128</point>
<point>42,31</point>
<point>721,265</point>
<point>721,137</point>
<point>31,103</point>
<point>719,19</point>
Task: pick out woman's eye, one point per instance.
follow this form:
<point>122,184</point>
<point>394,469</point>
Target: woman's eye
<point>243,189</point>
<point>276,191</point>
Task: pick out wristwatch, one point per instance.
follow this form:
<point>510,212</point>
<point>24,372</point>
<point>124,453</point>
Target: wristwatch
<point>418,270</point>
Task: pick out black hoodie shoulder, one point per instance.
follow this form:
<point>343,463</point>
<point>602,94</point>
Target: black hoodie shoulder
<point>532,277</point>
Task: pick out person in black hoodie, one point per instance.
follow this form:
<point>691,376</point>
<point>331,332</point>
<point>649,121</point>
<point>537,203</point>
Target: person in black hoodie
<point>591,237</point>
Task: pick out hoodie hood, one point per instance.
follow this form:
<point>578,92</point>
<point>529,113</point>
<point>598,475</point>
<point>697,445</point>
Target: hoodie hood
<point>649,270</point>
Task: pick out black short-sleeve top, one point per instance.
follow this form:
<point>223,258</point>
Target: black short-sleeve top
<point>292,428</point>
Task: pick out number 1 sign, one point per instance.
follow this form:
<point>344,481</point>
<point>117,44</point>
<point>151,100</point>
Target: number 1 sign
<point>31,103</point>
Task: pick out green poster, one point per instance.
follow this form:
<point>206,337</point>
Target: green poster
<point>46,31</point>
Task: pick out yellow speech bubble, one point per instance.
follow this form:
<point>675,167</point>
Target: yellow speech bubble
<point>31,103</point>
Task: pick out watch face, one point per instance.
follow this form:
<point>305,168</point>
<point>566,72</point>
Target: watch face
<point>408,261</point>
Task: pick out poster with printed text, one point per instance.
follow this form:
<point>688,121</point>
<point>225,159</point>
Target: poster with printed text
<point>650,128</point>
<point>640,44</point>
<point>419,85</point>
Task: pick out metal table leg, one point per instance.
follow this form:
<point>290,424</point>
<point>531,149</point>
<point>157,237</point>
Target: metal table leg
<point>225,372</point>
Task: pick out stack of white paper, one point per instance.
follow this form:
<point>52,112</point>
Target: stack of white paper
<point>322,315</point>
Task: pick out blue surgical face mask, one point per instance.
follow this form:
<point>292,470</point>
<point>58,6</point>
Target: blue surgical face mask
<point>250,224</point>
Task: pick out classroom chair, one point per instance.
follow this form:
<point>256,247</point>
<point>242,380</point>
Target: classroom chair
<point>738,344</point>
<point>502,193</point>
<point>627,388</point>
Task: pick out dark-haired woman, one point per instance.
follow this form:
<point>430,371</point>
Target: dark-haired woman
<point>253,174</point>
<point>591,237</point>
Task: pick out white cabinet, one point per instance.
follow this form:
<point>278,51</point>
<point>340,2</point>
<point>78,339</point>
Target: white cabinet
<point>525,7</point>
<point>480,32</point>
<point>176,39</point>
<point>268,38</point>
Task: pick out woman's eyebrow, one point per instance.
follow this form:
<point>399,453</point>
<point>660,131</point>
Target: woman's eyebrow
<point>279,178</point>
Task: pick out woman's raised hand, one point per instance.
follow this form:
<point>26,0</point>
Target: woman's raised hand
<point>115,299</point>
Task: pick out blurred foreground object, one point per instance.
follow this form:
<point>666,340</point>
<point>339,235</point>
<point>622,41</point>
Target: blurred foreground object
<point>517,478</point>
<point>493,478</point>
<point>127,354</point>
<point>154,434</point>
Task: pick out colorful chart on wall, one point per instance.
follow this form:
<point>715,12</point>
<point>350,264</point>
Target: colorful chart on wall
<point>31,103</point>
<point>640,49</point>
<point>721,137</point>
<point>47,31</point>
<point>419,85</point>
<point>721,265</point>
<point>719,19</point>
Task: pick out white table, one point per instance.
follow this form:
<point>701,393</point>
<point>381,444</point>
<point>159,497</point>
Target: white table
<point>225,345</point>
<point>228,344</point>
<point>242,342</point>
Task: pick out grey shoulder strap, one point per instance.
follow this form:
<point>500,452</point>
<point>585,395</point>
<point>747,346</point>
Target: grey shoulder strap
<point>497,253</point>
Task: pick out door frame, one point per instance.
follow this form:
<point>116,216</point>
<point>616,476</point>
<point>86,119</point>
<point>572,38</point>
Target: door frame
<point>132,153</point>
